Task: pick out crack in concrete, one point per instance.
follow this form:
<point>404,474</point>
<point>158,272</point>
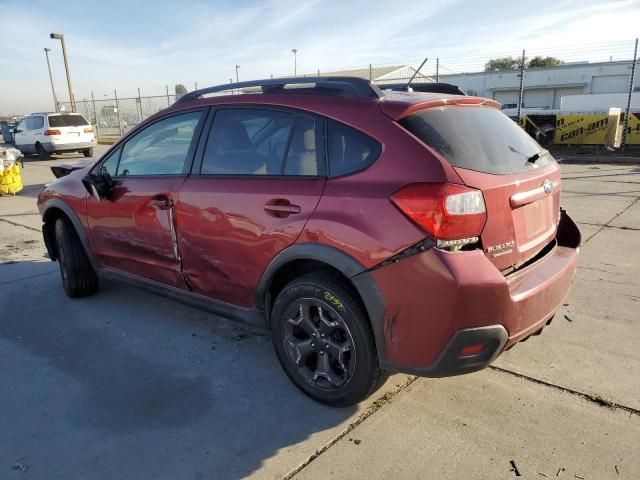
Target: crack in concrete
<point>375,406</point>
<point>590,397</point>
<point>610,226</point>
<point>25,278</point>
<point>20,225</point>
<point>609,222</point>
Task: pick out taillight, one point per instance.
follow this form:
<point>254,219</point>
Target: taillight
<point>452,214</point>
<point>52,132</point>
<point>88,130</point>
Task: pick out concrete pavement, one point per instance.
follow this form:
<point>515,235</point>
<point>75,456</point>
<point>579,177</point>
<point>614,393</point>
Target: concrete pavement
<point>126,384</point>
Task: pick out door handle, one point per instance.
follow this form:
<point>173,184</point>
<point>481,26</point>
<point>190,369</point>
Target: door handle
<point>161,202</point>
<point>281,208</point>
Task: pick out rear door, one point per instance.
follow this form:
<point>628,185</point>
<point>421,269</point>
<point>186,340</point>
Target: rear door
<point>260,176</point>
<point>519,180</point>
<point>134,230</point>
<point>73,127</point>
<point>37,127</point>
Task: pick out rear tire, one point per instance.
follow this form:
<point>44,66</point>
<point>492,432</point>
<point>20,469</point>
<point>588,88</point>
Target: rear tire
<point>42,153</point>
<point>79,279</point>
<point>324,341</point>
<point>88,152</point>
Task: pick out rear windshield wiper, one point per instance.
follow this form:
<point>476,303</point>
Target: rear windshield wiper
<point>530,159</point>
<point>533,158</point>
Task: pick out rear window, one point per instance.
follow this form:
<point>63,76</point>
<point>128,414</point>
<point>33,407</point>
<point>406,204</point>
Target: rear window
<point>477,138</point>
<point>67,121</point>
<point>349,150</point>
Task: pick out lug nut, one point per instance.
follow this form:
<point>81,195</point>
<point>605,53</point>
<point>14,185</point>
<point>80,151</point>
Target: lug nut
<point>321,352</point>
<point>313,334</point>
<point>322,335</point>
<point>313,345</point>
<point>326,345</point>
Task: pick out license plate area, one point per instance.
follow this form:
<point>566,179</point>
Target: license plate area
<point>535,217</point>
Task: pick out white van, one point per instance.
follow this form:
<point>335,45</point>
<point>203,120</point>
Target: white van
<point>47,133</point>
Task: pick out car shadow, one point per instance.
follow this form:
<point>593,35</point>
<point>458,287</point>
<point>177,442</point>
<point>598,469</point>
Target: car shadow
<point>127,384</point>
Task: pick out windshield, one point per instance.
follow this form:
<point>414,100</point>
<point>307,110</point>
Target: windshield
<point>67,121</point>
<point>477,138</point>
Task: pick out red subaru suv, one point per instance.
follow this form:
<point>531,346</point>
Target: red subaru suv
<point>370,231</point>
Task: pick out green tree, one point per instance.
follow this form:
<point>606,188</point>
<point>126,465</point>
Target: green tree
<point>108,110</point>
<point>180,90</point>
<point>502,63</point>
<point>541,62</point>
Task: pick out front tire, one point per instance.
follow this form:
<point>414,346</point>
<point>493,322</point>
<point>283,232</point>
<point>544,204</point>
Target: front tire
<point>42,153</point>
<point>88,152</point>
<point>79,279</point>
<point>324,341</point>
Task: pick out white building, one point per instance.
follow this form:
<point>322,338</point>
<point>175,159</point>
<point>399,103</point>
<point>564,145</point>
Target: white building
<point>544,87</point>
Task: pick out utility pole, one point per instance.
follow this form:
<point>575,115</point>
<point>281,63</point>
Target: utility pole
<point>115,95</point>
<point>627,112</point>
<point>521,94</point>
<point>237,76</point>
<point>59,36</point>
<point>140,104</point>
<point>95,114</point>
<point>437,69</point>
<point>295,61</point>
<point>55,99</point>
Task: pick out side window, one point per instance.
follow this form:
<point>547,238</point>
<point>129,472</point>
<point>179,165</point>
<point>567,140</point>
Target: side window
<point>349,150</point>
<point>22,125</point>
<point>160,149</point>
<point>31,123</point>
<point>302,157</point>
<point>38,123</point>
<point>110,165</point>
<point>247,142</point>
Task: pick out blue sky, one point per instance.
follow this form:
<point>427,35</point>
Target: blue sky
<point>124,45</point>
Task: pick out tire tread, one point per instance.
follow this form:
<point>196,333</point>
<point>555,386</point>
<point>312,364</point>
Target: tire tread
<point>82,280</point>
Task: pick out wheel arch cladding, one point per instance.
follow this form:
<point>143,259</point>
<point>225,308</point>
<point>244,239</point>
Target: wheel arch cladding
<point>58,209</point>
<point>303,258</point>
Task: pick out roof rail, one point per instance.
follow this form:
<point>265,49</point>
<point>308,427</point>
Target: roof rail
<point>345,86</point>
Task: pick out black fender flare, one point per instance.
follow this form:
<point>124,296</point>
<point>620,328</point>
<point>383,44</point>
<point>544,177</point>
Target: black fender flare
<point>77,225</point>
<point>345,264</point>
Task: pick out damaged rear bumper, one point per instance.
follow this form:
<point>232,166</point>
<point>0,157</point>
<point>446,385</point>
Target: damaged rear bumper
<point>453,313</point>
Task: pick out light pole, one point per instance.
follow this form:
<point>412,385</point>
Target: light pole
<point>59,36</point>
<point>295,61</point>
<point>237,67</point>
<point>55,99</point>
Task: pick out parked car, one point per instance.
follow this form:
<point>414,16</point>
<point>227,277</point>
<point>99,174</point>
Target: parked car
<point>47,133</point>
<point>370,232</point>
<point>7,128</point>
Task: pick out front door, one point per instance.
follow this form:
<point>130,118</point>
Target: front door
<point>261,176</point>
<point>134,231</point>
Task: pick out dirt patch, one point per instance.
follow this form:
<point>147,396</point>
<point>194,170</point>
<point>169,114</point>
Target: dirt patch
<point>18,250</point>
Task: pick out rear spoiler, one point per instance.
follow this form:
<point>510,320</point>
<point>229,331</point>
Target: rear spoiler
<point>423,87</point>
<point>64,169</point>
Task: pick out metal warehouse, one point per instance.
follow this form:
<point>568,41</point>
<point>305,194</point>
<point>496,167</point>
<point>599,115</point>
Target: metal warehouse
<point>544,87</point>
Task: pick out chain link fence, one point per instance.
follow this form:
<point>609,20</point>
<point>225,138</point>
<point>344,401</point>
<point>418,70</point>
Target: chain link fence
<point>116,116</point>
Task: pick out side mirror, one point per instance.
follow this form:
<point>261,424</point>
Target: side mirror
<point>14,130</point>
<point>99,186</point>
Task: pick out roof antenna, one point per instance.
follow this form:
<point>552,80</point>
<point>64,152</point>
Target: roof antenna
<point>408,85</point>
